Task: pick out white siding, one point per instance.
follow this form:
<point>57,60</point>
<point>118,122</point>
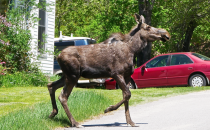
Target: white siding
<point>34,34</point>
<point>45,63</point>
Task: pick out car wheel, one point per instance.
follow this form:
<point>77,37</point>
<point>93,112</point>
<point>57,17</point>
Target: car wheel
<point>117,86</point>
<point>197,80</point>
<point>131,85</point>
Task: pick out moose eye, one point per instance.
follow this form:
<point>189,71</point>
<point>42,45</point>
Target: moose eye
<point>148,27</point>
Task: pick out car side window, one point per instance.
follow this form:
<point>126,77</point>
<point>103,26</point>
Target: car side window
<point>158,62</point>
<point>180,59</point>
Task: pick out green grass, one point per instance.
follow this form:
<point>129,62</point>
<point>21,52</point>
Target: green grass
<point>23,79</point>
<point>16,98</point>
<point>29,107</point>
<point>83,103</point>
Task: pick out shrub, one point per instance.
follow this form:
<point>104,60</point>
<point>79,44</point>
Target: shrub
<point>15,35</point>
<point>23,79</point>
<point>2,67</point>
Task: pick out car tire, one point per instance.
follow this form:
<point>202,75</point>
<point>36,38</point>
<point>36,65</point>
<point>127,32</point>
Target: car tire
<point>117,86</point>
<point>132,85</point>
<point>197,80</point>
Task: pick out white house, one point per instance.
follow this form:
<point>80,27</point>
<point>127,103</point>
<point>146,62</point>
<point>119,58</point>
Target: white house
<point>44,26</point>
<point>47,26</point>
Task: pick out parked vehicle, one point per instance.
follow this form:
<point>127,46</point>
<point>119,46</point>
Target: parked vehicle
<point>173,69</point>
<point>65,41</point>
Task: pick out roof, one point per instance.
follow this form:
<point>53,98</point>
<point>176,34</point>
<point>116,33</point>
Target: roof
<point>66,38</point>
<point>176,53</point>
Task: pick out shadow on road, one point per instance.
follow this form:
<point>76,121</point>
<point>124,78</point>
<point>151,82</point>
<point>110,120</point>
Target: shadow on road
<point>116,124</point>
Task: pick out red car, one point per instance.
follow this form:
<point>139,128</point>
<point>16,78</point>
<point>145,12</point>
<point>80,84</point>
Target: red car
<point>173,69</point>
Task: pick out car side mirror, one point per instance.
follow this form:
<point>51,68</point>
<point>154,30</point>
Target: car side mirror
<point>143,68</point>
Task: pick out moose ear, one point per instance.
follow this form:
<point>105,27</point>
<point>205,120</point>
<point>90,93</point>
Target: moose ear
<point>139,19</point>
<point>142,19</point>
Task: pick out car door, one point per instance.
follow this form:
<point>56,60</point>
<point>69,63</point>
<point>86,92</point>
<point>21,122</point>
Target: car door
<point>181,66</point>
<point>153,73</point>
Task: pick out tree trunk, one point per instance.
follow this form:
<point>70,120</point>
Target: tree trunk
<point>188,35</point>
<point>145,8</point>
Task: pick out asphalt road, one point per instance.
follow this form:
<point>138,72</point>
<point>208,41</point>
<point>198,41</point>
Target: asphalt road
<point>184,112</point>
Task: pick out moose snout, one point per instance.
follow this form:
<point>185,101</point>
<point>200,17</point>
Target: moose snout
<point>165,36</point>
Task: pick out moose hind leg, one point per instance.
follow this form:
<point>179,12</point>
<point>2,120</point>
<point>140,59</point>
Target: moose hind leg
<point>64,98</point>
<point>52,87</point>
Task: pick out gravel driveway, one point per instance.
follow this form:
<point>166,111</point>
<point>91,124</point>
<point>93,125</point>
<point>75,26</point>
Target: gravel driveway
<point>184,112</point>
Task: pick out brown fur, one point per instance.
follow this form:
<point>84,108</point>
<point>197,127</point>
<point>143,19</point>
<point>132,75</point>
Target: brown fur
<point>104,60</point>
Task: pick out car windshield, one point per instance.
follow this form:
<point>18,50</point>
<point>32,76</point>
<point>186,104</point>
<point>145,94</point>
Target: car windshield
<point>202,57</point>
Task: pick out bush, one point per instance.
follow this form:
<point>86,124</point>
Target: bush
<point>23,79</point>
<point>14,46</point>
<point>2,67</point>
<point>15,35</point>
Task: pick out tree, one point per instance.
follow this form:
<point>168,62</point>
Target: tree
<point>145,8</point>
<point>94,18</point>
<point>187,20</point>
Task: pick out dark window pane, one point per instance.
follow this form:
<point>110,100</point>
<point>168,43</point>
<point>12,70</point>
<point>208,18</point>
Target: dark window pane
<point>42,25</point>
<point>180,59</point>
<point>158,62</point>
<point>42,18</point>
<point>201,56</point>
<point>41,31</point>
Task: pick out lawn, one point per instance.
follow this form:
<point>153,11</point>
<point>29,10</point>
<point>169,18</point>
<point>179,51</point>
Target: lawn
<point>29,107</point>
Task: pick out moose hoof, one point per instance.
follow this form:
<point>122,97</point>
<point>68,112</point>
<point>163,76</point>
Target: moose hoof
<point>110,108</point>
<point>132,124</point>
<point>53,114</point>
<point>77,125</point>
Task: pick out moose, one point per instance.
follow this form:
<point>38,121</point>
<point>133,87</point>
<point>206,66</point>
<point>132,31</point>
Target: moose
<point>112,58</point>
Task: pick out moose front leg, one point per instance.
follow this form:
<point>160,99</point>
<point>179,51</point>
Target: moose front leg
<point>52,87</point>
<point>126,96</point>
<point>126,103</point>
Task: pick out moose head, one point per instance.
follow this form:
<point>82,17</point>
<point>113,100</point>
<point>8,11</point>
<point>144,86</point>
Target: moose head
<point>149,33</point>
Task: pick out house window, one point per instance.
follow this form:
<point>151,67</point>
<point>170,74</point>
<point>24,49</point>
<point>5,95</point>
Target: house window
<point>42,26</point>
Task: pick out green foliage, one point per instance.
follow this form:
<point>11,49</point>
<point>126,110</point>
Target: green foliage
<point>95,19</point>
<point>24,79</point>
<point>15,38</point>
<point>98,19</point>
<point>3,69</point>
<point>15,35</point>
<point>178,17</point>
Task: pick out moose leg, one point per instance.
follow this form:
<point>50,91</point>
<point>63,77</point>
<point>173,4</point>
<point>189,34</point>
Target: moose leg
<point>126,96</point>
<point>64,98</point>
<point>126,104</point>
<point>52,87</point>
